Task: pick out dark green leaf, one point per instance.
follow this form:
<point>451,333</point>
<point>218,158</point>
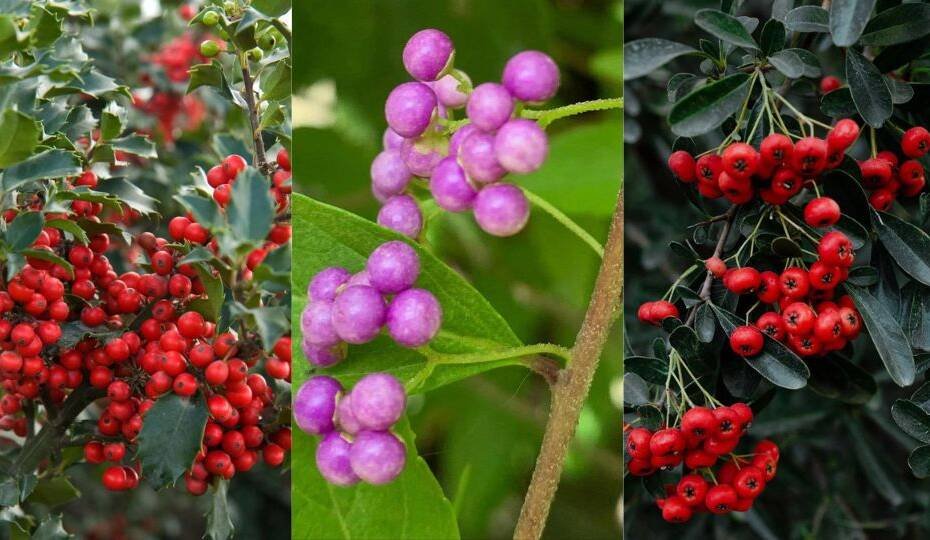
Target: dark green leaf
<point>650,369</point>
<point>898,24</point>
<point>251,209</point>
<point>212,306</point>
<point>48,164</point>
<point>271,323</point>
<point>643,56</point>
<point>863,276</point>
<point>705,324</point>
<point>272,8</point>
<point>136,145</point>
<point>130,194</point>
<point>54,491</point>
<point>68,226</point>
<point>847,20</point>
<point>219,515</point>
<point>772,39</point>
<point>276,81</point>
<point>707,107</point>
<point>171,437</point>
<point>837,378</point>
<point>19,136</point>
<point>907,244</point>
<point>874,470</point>
<point>808,19</point>
<point>203,209</point>
<point>919,461</point>
<point>685,341</point>
<point>887,335</point>
<point>901,92</point>
<point>869,91</point>
<point>921,397</point>
<point>725,27</point>
<point>24,230</point>
<point>811,62</point>
<point>50,529</point>
<point>44,255</point>
<point>911,419</point>
<point>788,63</point>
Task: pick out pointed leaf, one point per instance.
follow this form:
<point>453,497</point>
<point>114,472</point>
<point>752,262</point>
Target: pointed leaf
<point>171,437</point>
<point>886,333</point>
<point>251,209</point>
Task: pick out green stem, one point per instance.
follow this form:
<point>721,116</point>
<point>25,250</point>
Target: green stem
<point>559,216</point>
<point>546,117</point>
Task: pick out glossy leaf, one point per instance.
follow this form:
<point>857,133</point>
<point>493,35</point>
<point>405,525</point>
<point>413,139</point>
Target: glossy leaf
<point>47,164</point>
<point>912,419</point>
<point>707,107</point>
<point>725,27</point>
<point>899,24</point>
<point>251,209</point>
<point>19,136</point>
<point>171,437</point>
<point>788,63</point>
<point>848,19</point>
<point>886,333</point>
<point>808,19</point>
<point>651,369</point>
<point>907,244</point>
<point>643,56</point>
<point>919,461</point>
<point>869,91</point>
<point>773,37</point>
<point>24,230</point>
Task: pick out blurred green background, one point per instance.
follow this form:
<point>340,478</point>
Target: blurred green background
<point>480,436</point>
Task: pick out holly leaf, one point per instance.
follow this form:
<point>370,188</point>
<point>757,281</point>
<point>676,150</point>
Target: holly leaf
<point>412,506</point>
<point>643,56</point>
<point>47,164</point>
<point>219,516</point>
<point>24,230</point>
<point>251,209</point>
<point>707,107</point>
<point>130,194</point>
<point>136,145</point>
<point>171,437</point>
<point>54,491</point>
<point>50,528</point>
<point>19,136</point>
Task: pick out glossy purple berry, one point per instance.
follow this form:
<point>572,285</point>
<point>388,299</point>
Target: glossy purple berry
<point>477,156</point>
<point>455,142</point>
<point>377,457</point>
<point>317,325</point>
<point>345,418</point>
<point>489,106</point>
<point>414,317</point>
<point>393,267</point>
<point>358,314</point>
<point>389,173</point>
<point>323,356</point>
<point>421,155</point>
<point>358,278</point>
<point>332,460</point>
<point>401,213</point>
<point>427,53</point>
<point>409,109</point>
<point>326,282</point>
<point>531,76</point>
<point>315,404</point>
<point>378,401</point>
<point>450,186</point>
<point>501,209</point>
<point>521,146</point>
<point>391,140</point>
<point>447,90</point>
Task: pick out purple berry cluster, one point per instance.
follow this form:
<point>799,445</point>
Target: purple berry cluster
<point>463,167</point>
<point>357,444</point>
<point>352,309</point>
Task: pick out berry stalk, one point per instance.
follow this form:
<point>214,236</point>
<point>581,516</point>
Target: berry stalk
<point>574,382</point>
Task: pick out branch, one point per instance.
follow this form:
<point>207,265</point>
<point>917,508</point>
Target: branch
<point>261,160</point>
<point>718,249</point>
<point>571,388</point>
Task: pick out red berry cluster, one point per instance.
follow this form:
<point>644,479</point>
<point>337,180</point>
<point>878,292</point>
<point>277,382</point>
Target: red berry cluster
<point>887,178</point>
<point>705,436</point>
<point>775,172</point>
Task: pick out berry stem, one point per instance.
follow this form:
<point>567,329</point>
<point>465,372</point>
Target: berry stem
<point>569,224</point>
<point>548,116</point>
<point>574,382</point>
<point>704,293</point>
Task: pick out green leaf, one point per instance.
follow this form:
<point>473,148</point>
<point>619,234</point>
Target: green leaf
<point>875,471</point>
<point>66,225</point>
<point>130,194</point>
<point>706,108</point>
<point>330,236</point>
<point>776,362</point>
<point>651,369</point>
<point>788,63</point>
<point>50,529</point>
<point>808,19</point>
<point>54,491</point>
<point>908,246</point>
<point>271,322</point>
<point>838,104</point>
<point>643,56</point>
<point>276,81</point>
<point>212,76</point>
<point>919,461</point>
<point>111,121</point>
<point>19,136</point>
<point>24,230</point>
<point>203,209</point>
<point>724,26</point>
<point>219,516</point>
<point>136,145</point>
<point>412,506</point>
<point>837,378</point>
<point>47,164</point>
<point>272,8</point>
<point>251,209</point>
<point>773,37</point>
<point>212,306</point>
<point>886,333</point>
<point>869,91</point>
<point>847,20</point>
<point>171,437</point>
<point>911,419</point>
<point>44,255</point>
<point>898,24</point>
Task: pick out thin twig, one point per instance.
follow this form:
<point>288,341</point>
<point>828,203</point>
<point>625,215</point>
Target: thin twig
<point>704,293</point>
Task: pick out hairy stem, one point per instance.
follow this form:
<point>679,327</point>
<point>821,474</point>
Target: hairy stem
<point>574,382</point>
<point>546,117</point>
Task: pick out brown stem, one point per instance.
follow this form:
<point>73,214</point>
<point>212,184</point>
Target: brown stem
<point>571,388</point>
<point>261,160</point>
<point>718,249</point>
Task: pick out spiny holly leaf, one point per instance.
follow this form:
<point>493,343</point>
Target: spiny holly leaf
<point>50,529</point>
<point>886,333</point>
<point>212,306</point>
<point>251,209</point>
<point>24,230</point>
<point>412,506</point>
<point>643,56</point>
<point>708,107</point>
<point>171,437</point>
<point>47,164</point>
<point>19,136</point>
<point>219,517</point>
<point>54,491</point>
<point>136,145</point>
<point>203,209</point>
<point>270,322</point>
<point>130,194</point>
<point>333,237</point>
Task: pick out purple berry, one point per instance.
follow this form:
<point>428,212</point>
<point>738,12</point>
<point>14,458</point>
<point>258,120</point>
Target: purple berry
<point>359,278</point>
<point>409,109</point>
<point>427,53</point>
<point>315,404</point>
<point>332,460</point>
<point>389,174</point>
<point>531,76</point>
<point>323,356</point>
<point>455,142</point>
<point>448,93</point>
<point>345,418</point>
<point>489,106</point>
<point>317,325</point>
<point>414,317</point>
<point>401,213</point>
<point>393,267</point>
<point>421,155</point>
<point>377,457</point>
<point>450,186</point>
<point>521,146</point>
<point>391,140</point>
<point>358,314</point>
<point>501,209</point>
<point>378,401</point>
<point>476,154</point>
<point>326,282</point>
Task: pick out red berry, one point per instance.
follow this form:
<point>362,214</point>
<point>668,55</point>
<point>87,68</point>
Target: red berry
<point>692,488</point>
<point>191,325</point>
<point>876,173</point>
<point>233,165</point>
<point>882,199</point>
<point>776,149</point>
<point>742,280</point>
<point>746,341</point>
<point>637,443</point>
<point>828,326</point>
<point>916,142</point>
<point>824,277</point>
<point>666,442</point>
<point>836,249</point>
<point>720,498</point>
<point>115,478</point>
<point>799,319</point>
<point>93,452</point>
<point>729,426</point>
<point>809,157</point>
<point>749,482</point>
<point>843,135</point>
<point>794,282</point>
<point>185,385</point>
<point>851,322</point>
<point>829,83</point>
<point>767,447</point>
<point>740,160</point>
<point>698,423</point>
<point>822,212</point>
<point>676,510</point>
<point>767,463</point>
<point>682,165</point>
<point>114,452</point>
<point>216,176</point>
<point>177,226</point>
<point>716,266</point>
<point>273,455</point>
<point>772,324</point>
<point>284,159</point>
